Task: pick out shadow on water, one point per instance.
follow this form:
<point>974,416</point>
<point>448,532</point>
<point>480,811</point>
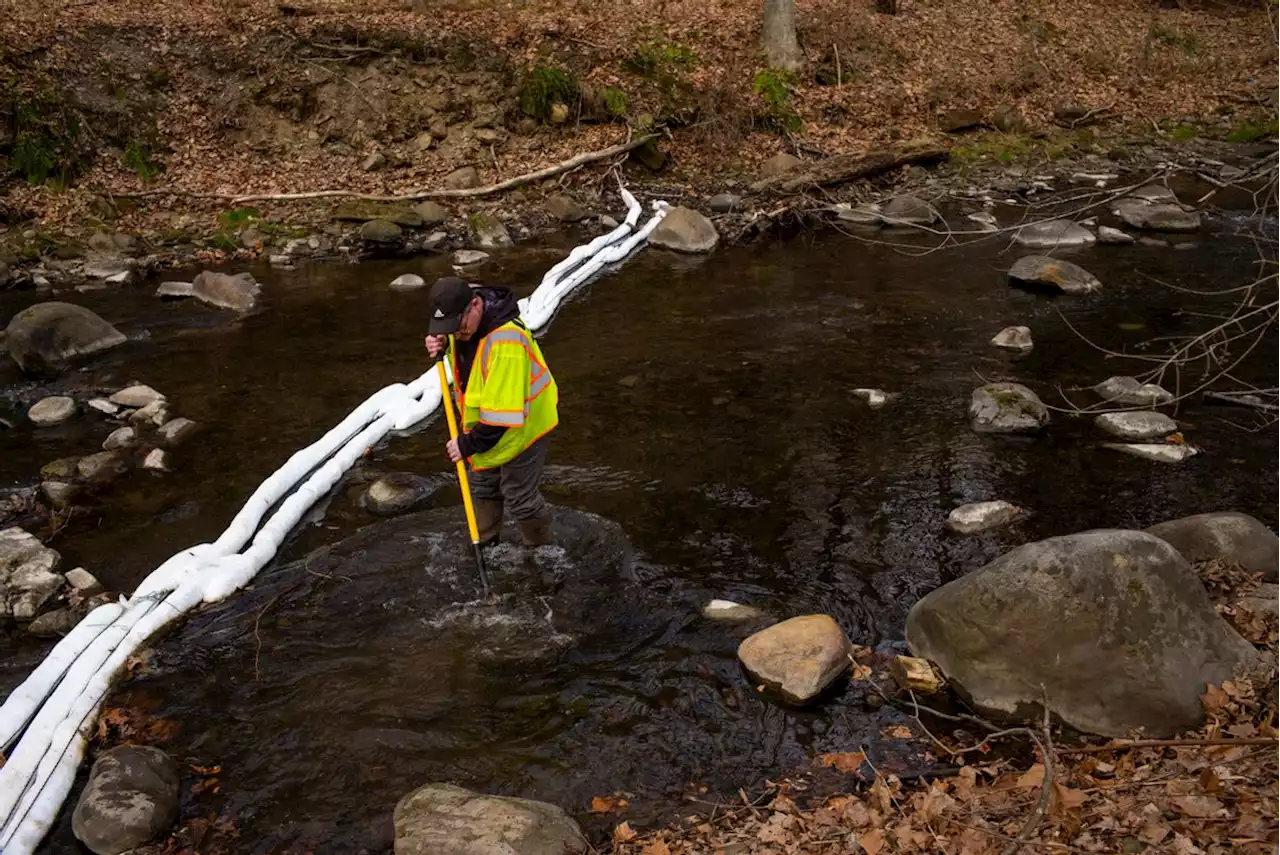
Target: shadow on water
<point>710,447</point>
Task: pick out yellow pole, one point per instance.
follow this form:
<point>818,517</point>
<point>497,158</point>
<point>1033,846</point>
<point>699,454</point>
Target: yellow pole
<point>461,465</point>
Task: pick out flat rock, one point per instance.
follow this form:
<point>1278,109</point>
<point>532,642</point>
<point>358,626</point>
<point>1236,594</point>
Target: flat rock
<point>798,657</point>
<point>907,210</point>
<point>103,466</point>
<point>381,231</point>
<point>441,819</point>
<point>83,581</point>
<point>685,230</point>
<point>1114,625</point>
<point>104,406</point>
<point>915,675</point>
<point>105,266</point>
<point>238,293</point>
<point>177,431</point>
<point>1156,217</point>
<point>1114,237</point>
<point>779,164</point>
<point>1129,392</point>
<point>467,257</point>
<point>565,208</point>
<point>1053,273</point>
<point>397,493</point>
<point>725,203</point>
<point>1154,193</point>
<point>174,290</point>
<point>47,337</point>
<point>860,215</point>
<point>408,282</point>
<point>53,410</point>
<point>27,577</point>
<point>1007,408</point>
<point>1136,425</point>
<point>875,398</point>
<point>981,516</point>
<point>136,396</point>
<point>363,211</point>
<point>119,438</point>
<point>729,610</point>
<point>487,231</point>
<point>1226,535</point>
<point>1054,234</point>
<point>1160,452</point>
<point>1014,338</point>
<point>130,799</point>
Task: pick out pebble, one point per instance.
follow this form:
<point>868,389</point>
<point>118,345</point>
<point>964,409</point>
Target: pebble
<point>875,398</point>
<point>52,411</point>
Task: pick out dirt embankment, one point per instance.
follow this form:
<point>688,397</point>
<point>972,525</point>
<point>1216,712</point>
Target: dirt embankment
<point>119,97</point>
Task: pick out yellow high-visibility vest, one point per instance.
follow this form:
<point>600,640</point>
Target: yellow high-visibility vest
<point>512,387</point>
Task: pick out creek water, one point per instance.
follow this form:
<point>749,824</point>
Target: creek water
<point>710,446</point>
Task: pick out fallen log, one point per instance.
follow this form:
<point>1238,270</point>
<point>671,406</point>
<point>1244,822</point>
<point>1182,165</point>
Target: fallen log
<point>848,167</point>
<point>416,195</point>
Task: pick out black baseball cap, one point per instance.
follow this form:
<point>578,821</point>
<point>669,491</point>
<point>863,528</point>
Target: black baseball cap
<point>448,299</point>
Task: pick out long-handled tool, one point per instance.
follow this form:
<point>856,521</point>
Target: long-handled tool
<point>447,402</point>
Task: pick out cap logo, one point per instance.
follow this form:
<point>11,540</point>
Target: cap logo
<point>439,314</point>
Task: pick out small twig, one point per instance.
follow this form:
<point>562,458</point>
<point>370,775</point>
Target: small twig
<point>1170,743</point>
<point>257,674</point>
<point>839,74</point>
<point>1046,787</point>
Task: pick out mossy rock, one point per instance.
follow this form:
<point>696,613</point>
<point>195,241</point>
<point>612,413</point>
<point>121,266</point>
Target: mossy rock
<point>364,212</point>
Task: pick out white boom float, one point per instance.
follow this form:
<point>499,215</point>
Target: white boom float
<point>55,708</point>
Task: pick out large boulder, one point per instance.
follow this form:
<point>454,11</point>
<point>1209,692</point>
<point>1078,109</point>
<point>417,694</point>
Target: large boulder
<point>238,293</point>
<point>1054,234</point>
<point>685,230</point>
<point>1113,627</point>
<point>442,819</point>
<point>47,337</point>
<point>131,798</point>
<point>1156,216</point>
<point>27,577</point>
<point>1054,274</point>
<point>799,657</point>
<point>1007,408</point>
<point>1231,536</point>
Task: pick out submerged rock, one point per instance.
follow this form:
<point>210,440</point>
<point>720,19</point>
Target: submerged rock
<point>1114,625</point>
<point>1054,234</point>
<point>47,337</point>
<point>1055,273</point>
<point>1137,425</point>
<point>685,230</point>
<point>53,624</point>
<point>1226,535</point>
<point>875,398</point>
<point>1160,452</point>
<point>442,819</point>
<point>130,799</point>
<point>51,411</point>
<point>397,493</point>
<point>1014,338</point>
<point>729,610</point>
<point>1129,392</point>
<point>1007,408</point>
<point>59,494</point>
<point>238,293</point>
<point>1156,217</point>
<point>981,516</point>
<point>103,466</point>
<point>27,577</point>
<point>798,657</point>
<point>906,210</point>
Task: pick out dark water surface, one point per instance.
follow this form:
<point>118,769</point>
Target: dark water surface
<point>707,421</point>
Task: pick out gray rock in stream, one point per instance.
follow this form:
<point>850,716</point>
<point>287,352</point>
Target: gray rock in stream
<point>1113,237</point>
<point>27,577</point>
<point>1156,217</point>
<point>1136,426</point>
<point>442,819</point>
<point>1129,392</point>
<point>174,290</point>
<point>136,396</point>
<point>238,293</point>
<point>1054,234</point>
<point>1014,338</point>
<point>906,210</point>
<point>53,410</point>
<point>980,516</point>
<point>47,337</point>
<point>397,493</point>
<point>685,230</point>
<point>1007,408</point>
<point>1227,535</point>
<point>487,231</point>
<point>1114,625</point>
<point>131,798</point>
<point>1158,452</point>
<point>1054,273</point>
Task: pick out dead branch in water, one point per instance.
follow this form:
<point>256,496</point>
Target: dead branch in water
<point>417,195</point>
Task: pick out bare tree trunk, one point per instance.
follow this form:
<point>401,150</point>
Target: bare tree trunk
<point>778,35</point>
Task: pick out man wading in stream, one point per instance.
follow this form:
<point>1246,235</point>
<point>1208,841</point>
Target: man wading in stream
<point>507,398</point>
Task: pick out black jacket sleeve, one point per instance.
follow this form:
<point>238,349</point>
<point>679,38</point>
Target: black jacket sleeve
<point>480,439</point>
